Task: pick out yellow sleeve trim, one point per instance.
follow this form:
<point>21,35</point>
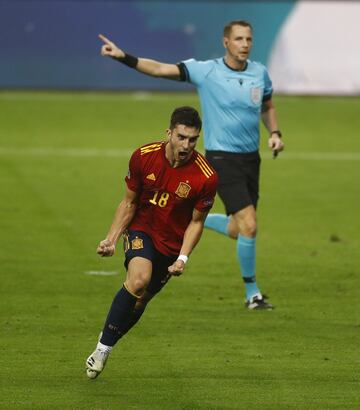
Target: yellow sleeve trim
<point>204,166</point>
<point>150,148</point>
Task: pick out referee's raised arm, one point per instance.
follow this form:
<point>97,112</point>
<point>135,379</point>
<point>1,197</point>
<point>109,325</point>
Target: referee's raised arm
<point>143,65</point>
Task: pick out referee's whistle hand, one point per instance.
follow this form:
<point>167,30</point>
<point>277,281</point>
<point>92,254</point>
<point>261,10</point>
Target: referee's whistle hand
<point>275,144</point>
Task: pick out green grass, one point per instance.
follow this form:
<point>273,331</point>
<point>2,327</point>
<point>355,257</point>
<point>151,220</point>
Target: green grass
<point>196,347</point>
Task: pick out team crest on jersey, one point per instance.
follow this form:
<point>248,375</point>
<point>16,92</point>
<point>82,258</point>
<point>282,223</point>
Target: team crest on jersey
<point>151,177</point>
<point>137,243</point>
<point>183,190</point>
<point>255,95</point>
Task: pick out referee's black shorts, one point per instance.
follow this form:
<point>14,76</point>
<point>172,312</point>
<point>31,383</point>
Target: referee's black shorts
<point>138,243</point>
<point>238,178</point>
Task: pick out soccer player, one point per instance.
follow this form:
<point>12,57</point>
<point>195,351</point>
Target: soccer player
<point>170,188</point>
<point>235,93</point>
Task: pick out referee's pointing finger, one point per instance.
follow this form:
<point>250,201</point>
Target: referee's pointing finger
<point>104,39</point>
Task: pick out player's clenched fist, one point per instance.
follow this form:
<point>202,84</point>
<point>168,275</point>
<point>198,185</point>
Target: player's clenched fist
<point>110,49</point>
<point>177,268</point>
<point>106,248</point>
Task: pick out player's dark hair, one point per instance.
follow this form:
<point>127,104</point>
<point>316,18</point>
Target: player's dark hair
<point>186,116</point>
<point>229,26</point>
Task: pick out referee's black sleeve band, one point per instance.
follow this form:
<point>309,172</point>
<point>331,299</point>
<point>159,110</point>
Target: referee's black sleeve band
<point>184,74</point>
<point>267,97</point>
<point>128,60</point>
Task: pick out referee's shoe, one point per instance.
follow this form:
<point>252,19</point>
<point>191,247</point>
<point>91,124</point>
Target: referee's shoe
<point>258,302</point>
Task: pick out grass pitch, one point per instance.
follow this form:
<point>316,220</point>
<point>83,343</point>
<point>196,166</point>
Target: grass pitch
<point>63,157</point>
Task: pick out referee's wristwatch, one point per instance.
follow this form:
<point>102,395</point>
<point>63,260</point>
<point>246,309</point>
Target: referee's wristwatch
<point>278,132</point>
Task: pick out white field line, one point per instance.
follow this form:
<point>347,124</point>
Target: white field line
<point>101,273</point>
<point>125,153</point>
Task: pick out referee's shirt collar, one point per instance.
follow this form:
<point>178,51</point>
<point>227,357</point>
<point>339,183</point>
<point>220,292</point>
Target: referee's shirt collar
<point>232,69</point>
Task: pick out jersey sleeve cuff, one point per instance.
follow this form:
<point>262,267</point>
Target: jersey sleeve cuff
<point>184,73</point>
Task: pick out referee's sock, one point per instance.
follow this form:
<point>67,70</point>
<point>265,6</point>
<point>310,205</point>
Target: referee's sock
<point>118,318</point>
<point>246,251</point>
<point>218,223</point>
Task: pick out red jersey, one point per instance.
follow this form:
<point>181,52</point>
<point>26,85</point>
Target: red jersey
<point>168,195</point>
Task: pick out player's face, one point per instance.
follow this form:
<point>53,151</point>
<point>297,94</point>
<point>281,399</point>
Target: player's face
<point>239,43</point>
<point>182,142</point>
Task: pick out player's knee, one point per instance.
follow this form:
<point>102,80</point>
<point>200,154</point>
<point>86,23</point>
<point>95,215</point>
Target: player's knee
<point>137,285</point>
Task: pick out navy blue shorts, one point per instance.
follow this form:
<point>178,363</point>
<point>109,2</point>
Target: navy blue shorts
<point>138,243</point>
<point>238,178</point>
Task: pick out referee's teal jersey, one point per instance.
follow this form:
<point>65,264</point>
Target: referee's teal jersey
<point>231,102</point>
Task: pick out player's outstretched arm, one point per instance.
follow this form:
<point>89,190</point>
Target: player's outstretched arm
<point>123,216</point>
<point>143,65</point>
<point>191,238</point>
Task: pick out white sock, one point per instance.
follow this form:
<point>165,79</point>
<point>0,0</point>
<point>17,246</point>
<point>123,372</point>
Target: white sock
<point>103,348</point>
